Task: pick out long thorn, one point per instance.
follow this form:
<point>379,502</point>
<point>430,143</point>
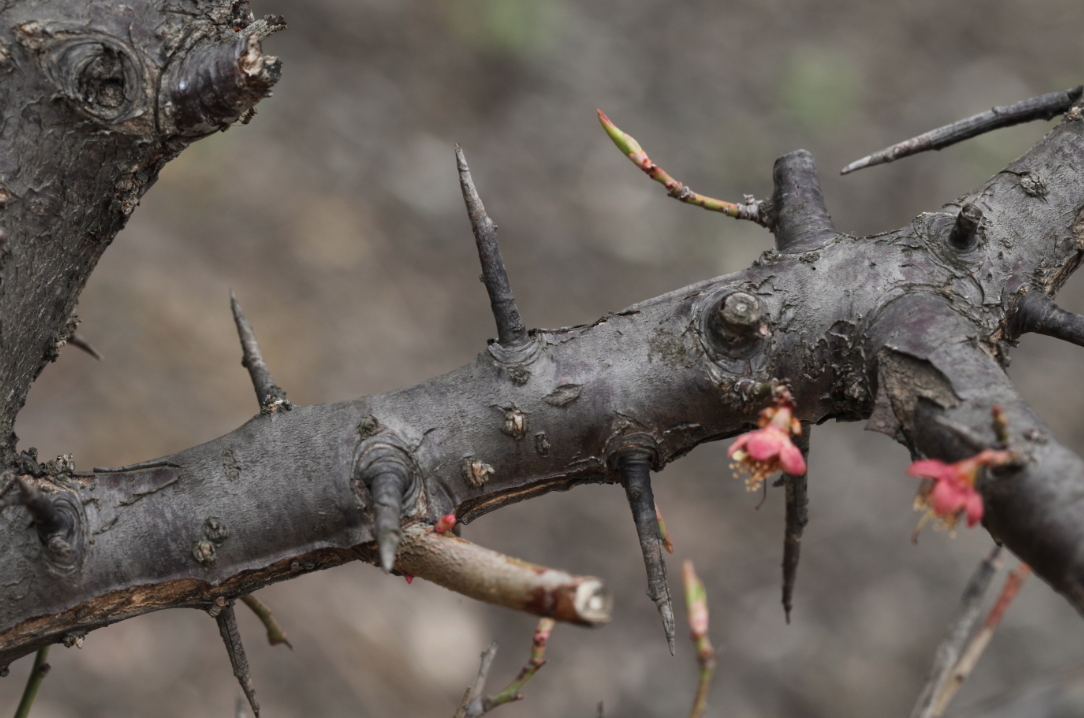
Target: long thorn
<point>270,395</point>
<point>511,331</point>
<point>227,626</point>
<point>629,147</point>
<point>1043,107</point>
<point>635,467</point>
<point>275,634</point>
<point>387,491</point>
<point>975,647</point>
<point>797,518</point>
<point>967,614</point>
<point>33,683</point>
<point>78,340</point>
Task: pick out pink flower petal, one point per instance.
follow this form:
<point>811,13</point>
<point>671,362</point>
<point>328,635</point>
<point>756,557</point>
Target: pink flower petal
<point>947,499</point>
<point>974,508</point>
<point>766,443</point>
<point>790,458</point>
<point>738,443</point>
<point>929,468</point>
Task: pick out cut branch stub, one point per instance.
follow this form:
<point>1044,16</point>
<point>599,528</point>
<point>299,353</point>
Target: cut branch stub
<point>271,396</point>
<point>217,83</point>
<point>799,217</point>
<point>1037,313</point>
<point>57,522</point>
<point>736,323</point>
<point>967,231</point>
<point>635,468</point>
<point>485,575</point>
<point>511,331</point>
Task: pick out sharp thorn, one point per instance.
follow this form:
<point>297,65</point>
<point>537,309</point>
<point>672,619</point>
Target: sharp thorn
<point>1044,107</point>
<point>635,468</point>
<point>270,395</point>
<point>78,340</point>
<point>387,492</point>
<point>511,331</point>
<point>1037,313</point>
<point>797,516</point>
<point>231,637</point>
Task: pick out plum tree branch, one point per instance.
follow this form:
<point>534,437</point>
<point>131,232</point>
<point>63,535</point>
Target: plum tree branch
<point>907,329</point>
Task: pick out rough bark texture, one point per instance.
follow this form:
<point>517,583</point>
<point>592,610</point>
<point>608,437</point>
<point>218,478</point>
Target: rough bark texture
<point>908,329</point>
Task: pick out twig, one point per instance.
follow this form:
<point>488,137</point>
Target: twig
<point>750,210</point>
<point>1043,107</point>
<point>797,518</point>
<point>271,396</point>
<point>538,659</point>
<point>664,533</point>
<point>981,639</point>
<point>33,683</point>
<point>696,603</point>
<point>511,331</point>
<point>275,634</point>
<point>963,621</point>
<point>474,693</point>
<point>635,468</point>
<point>466,568</point>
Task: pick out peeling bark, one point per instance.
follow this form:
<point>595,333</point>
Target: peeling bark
<point>908,329</point>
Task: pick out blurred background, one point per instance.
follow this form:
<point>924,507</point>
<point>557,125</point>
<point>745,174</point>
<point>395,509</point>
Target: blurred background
<point>335,216</point>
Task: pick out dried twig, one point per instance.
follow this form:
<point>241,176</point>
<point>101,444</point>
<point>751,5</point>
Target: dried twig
<point>33,683</point>
<point>978,643</point>
<point>696,603</point>
<point>474,693</point>
<point>275,634</point>
<point>750,210</point>
<point>963,621</point>
<point>473,705</point>
<point>231,637</point>
<point>1043,107</point>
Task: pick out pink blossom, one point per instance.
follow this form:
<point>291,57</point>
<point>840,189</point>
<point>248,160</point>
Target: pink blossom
<point>949,491</point>
<point>762,452</point>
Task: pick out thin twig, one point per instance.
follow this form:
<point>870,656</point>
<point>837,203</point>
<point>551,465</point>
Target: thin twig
<point>1043,107</point>
<point>275,634</point>
<point>33,683</point>
<point>797,517</point>
<point>474,693</point>
<point>978,643</point>
<point>696,603</point>
<point>537,660</point>
<point>963,621</point>
<point>511,331</point>
<point>750,210</point>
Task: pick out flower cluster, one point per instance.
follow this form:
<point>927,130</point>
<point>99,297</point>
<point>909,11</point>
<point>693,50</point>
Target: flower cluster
<point>948,490</point>
<point>762,452</point>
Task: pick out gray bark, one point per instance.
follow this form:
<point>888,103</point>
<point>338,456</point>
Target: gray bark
<point>909,329</point>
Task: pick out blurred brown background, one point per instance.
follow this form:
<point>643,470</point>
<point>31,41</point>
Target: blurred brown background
<point>336,218</point>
